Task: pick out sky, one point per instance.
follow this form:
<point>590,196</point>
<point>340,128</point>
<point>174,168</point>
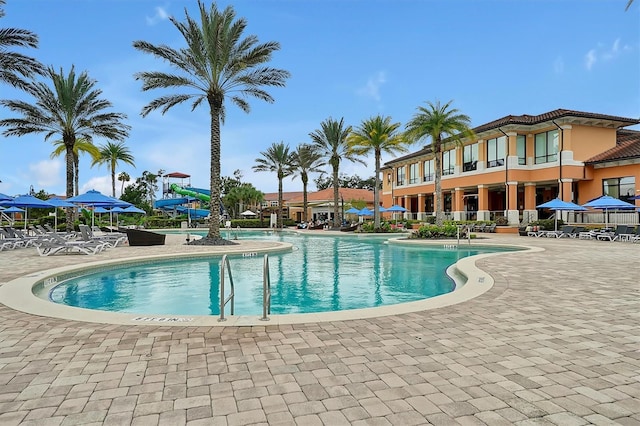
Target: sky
<point>350,59</point>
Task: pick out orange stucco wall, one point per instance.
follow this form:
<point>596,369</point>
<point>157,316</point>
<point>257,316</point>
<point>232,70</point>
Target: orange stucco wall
<point>588,141</point>
<point>593,188</point>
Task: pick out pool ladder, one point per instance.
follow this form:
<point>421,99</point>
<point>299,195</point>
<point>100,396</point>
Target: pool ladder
<point>266,289</point>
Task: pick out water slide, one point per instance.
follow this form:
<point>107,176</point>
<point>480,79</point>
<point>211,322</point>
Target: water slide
<point>191,192</point>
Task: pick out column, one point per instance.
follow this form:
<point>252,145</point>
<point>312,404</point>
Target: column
<point>530,214</point>
<point>407,205</point>
<point>512,150</point>
<point>513,215</point>
<point>421,206</point>
<point>567,195</point>
<point>458,204</point>
<point>483,202</point>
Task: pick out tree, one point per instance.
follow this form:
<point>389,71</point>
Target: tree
<point>379,135</point>
<point>344,181</point>
<point>628,5</point>
<point>244,195</point>
<point>306,159</point>
<point>14,66</point>
<point>110,154</point>
<point>81,145</point>
<point>217,64</point>
<point>73,109</point>
<point>279,160</point>
<point>439,122</point>
<point>123,177</point>
<point>330,140</point>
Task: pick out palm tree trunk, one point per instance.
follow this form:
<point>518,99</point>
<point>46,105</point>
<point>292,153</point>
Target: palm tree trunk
<point>336,196</point>
<point>280,221</point>
<point>113,180</point>
<point>70,176</point>
<point>214,187</point>
<point>376,193</point>
<point>305,203</point>
<point>437,148</point>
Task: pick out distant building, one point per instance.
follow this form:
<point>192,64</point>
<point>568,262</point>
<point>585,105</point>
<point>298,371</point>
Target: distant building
<point>518,162</point>
<point>321,203</point>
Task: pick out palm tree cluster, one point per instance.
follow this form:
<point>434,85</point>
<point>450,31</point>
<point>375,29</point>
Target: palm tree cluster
<point>219,63</point>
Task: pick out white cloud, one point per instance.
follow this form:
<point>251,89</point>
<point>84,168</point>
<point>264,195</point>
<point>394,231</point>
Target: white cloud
<point>160,15</point>
<point>604,53</point>
<point>45,173</point>
<point>99,183</point>
<point>372,88</point>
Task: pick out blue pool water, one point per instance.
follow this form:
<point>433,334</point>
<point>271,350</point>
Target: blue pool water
<point>321,274</point>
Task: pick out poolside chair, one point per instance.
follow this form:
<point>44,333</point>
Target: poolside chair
<point>10,242</point>
<point>565,232</point>
<point>631,234</point>
<point>60,245</point>
<point>490,228</point>
<point>613,236</point>
<point>110,240</point>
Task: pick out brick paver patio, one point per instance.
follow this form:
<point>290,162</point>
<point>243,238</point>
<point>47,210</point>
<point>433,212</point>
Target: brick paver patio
<point>555,341</point>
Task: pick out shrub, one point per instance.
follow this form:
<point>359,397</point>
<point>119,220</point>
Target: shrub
<point>502,221</point>
<point>435,231</point>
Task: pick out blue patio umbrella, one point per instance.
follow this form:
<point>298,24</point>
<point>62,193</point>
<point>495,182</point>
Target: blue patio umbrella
<point>353,210</point>
<point>13,210</point>
<point>395,209</point>
<point>134,209</point>
<point>365,212</point>
<point>26,202</point>
<point>95,198</point>
<point>4,197</point>
<point>607,203</point>
<point>558,205</point>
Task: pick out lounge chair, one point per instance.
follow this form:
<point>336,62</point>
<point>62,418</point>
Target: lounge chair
<point>613,236</point>
<point>60,245</point>
<point>566,231</point>
<point>10,242</point>
<point>110,240</point>
<point>631,234</point>
<point>490,228</point>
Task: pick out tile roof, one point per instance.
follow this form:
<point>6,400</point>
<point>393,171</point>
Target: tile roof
<point>627,147</point>
<point>286,196</point>
<point>527,119</point>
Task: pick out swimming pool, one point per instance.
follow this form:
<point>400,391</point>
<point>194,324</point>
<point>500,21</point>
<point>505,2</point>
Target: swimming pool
<point>321,274</point>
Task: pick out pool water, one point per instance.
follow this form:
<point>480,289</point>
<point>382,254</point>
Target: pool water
<point>321,274</point>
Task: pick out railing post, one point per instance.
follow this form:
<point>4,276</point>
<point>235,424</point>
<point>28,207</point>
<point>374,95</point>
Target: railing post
<point>222,301</point>
<point>266,290</point>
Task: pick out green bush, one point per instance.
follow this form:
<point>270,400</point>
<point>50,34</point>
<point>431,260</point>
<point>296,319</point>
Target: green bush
<point>435,232</point>
<point>547,224</point>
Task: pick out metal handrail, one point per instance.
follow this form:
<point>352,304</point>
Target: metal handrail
<point>225,262</point>
<point>266,290</point>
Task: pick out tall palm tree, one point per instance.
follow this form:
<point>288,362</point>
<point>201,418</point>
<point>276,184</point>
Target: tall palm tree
<point>123,177</point>
<point>279,160</point>
<point>81,146</point>
<point>379,135</point>
<point>306,160</point>
<point>72,109</point>
<point>111,153</point>
<point>439,122</point>
<point>628,5</point>
<point>15,67</point>
<point>218,63</point>
<point>331,141</point>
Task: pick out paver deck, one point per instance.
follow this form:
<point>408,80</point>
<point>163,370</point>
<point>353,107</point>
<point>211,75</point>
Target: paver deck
<point>555,341</point>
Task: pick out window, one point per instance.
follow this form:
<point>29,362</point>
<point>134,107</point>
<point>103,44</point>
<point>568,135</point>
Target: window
<point>400,176</point>
<point>521,149</point>
<point>413,173</point>
<point>274,203</point>
<point>470,157</point>
<point>623,188</point>
<point>495,151</point>
<point>428,172</point>
<point>448,162</point>
<point>546,147</point>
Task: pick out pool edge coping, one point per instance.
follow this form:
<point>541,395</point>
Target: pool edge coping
<point>18,293</point>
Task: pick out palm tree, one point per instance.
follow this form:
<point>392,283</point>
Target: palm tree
<point>279,160</point>
<point>218,63</point>
<point>73,109</point>
<point>81,145</point>
<point>110,154</point>
<point>439,122</point>
<point>379,135</point>
<point>306,160</point>
<point>330,140</point>
<point>123,177</point>
<point>14,67</point>
<point>628,5</point>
